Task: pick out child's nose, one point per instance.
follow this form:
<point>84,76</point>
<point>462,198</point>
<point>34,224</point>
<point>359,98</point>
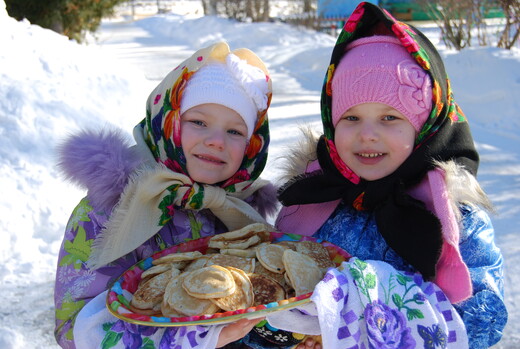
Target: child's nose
<point>215,138</point>
<point>368,133</point>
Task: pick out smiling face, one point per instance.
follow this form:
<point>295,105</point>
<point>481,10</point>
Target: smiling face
<point>373,139</point>
<point>214,139</point>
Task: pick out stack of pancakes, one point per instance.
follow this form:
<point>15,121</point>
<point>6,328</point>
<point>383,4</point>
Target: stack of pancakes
<point>241,268</point>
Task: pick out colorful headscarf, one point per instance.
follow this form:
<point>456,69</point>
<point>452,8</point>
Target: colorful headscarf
<point>161,127</point>
<point>156,190</point>
<point>413,231</point>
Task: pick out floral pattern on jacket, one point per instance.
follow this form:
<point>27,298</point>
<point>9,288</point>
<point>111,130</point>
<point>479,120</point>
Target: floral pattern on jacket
<point>76,284</point>
<point>484,314</point>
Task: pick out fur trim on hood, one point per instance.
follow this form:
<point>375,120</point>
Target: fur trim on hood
<point>99,161</point>
<point>299,155</point>
<point>102,162</point>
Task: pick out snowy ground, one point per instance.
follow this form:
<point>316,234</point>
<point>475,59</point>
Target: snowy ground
<point>51,87</point>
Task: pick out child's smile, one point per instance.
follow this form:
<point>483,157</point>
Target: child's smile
<point>370,158</point>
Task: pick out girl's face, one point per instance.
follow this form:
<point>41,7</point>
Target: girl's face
<point>214,139</point>
<point>374,139</point>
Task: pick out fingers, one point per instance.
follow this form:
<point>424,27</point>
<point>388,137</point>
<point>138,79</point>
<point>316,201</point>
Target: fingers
<point>247,325</point>
<point>236,331</point>
<point>309,343</point>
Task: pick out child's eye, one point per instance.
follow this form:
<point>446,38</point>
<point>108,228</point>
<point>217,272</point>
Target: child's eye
<point>235,132</point>
<point>390,117</point>
<point>350,118</point>
<point>197,122</point>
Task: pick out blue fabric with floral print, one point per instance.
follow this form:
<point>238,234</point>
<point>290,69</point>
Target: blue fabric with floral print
<point>484,314</point>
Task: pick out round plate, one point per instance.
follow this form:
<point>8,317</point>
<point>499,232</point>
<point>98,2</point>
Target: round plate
<point>121,291</point>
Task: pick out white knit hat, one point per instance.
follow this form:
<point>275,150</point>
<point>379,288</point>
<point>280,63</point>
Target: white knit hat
<point>236,85</point>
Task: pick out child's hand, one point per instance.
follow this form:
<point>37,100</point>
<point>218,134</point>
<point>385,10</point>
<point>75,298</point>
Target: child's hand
<point>308,343</point>
<point>236,331</point>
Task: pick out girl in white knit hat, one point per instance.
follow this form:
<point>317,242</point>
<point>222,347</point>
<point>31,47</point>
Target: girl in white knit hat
<point>193,172</point>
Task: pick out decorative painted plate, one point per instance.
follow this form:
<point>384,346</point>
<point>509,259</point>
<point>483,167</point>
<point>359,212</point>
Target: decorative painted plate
<point>121,291</point>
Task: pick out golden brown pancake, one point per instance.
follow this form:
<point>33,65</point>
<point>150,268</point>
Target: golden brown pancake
<point>266,289</point>
<point>209,282</point>
<point>246,264</point>
<point>316,251</point>
<point>177,257</point>
<point>177,301</point>
<point>243,296</point>
<point>302,271</point>
<point>270,255</point>
<point>150,293</point>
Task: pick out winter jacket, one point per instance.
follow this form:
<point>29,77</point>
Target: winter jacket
<point>76,284</point>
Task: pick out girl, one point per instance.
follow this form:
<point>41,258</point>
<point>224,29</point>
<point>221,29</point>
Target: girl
<point>392,178</point>
<point>192,173</point>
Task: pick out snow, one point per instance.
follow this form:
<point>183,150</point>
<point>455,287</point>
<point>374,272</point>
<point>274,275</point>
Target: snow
<point>51,87</point>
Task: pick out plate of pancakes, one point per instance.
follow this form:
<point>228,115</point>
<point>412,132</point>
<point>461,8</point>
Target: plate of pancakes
<point>245,273</point>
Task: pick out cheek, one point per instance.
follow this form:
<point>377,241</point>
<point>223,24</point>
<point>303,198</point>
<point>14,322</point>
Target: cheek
<point>237,152</point>
<point>341,140</point>
<point>183,136</point>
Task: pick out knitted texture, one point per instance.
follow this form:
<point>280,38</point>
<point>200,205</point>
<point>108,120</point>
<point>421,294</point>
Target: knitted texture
<point>235,85</point>
<point>379,69</point>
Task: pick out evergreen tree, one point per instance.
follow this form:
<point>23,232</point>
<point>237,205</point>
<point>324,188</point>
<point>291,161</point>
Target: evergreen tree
<point>72,18</point>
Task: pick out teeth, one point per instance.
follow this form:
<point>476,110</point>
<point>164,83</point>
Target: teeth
<point>208,159</point>
<point>370,155</point>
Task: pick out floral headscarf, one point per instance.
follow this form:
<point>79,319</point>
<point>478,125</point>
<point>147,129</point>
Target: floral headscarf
<point>162,132</point>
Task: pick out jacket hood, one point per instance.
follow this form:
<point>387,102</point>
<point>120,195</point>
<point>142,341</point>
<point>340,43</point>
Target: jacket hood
<point>100,161</point>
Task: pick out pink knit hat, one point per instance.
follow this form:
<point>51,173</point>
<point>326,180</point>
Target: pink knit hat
<point>379,69</point>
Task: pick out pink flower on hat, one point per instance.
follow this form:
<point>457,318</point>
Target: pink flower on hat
<point>414,87</point>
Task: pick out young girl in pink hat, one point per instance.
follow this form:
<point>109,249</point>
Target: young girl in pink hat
<point>393,180</point>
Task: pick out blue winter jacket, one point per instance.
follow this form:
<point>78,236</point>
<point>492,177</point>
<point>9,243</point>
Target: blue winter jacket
<point>484,314</point>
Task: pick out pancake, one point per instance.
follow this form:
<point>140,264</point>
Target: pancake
<point>243,233</point>
<point>302,271</point>
<point>177,257</point>
<point>245,264</point>
<point>288,244</point>
<point>266,289</point>
<point>260,269</point>
<point>177,301</point>
<point>156,269</point>
<point>249,252</point>
<point>316,251</point>
<point>209,282</point>
<point>243,296</point>
<point>150,293</point>
<point>196,263</point>
<point>239,244</point>
<point>270,255</point>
